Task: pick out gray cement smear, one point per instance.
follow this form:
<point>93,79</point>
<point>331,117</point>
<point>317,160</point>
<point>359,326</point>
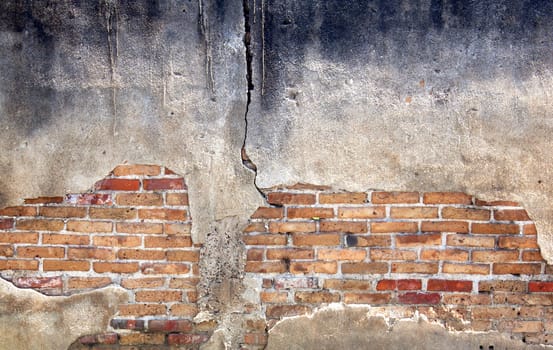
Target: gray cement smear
<point>343,327</point>
<point>30,320</point>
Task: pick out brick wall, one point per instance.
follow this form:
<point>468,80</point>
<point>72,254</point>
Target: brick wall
<point>469,264</point>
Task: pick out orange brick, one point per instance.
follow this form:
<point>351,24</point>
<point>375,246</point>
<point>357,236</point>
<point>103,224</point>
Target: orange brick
<point>268,213</point>
<point>43,200</point>
<point>256,227</point>
<point>471,269</point>
<point>517,269</point>
<point>117,241</point>
<point>89,226</point>
<point>6,250</point>
<point>288,227</point>
<point>414,212</point>
<point>316,297</point>
<point>343,226</point>
<point>518,242</point>
<point>102,267</point>
<point>19,237</point>
<point>177,199</point>
<point>393,254</point>
<point>91,253</point>
<point>495,229</point>
<point>139,199</point>
<point>40,225</point>
<point>445,226</point>
<point>177,229</point>
<point>142,309</point>
<point>140,254</point>
<point>162,214</point>
<point>466,299</point>
<point>310,213</point>
<point>139,227</point>
<point>530,229</point>
<point>18,264</point>
<point>164,268</point>
<point>158,296</point>
<point>395,197</point>
<point>40,252</point>
<point>419,240</point>
<point>63,212</point>
<point>57,238</point>
<point>255,254</point>
<point>265,240</point>
<point>446,198</point>
<point>530,255</point>
<point>445,255</point>
<point>343,198</point>
<point>167,242</point>
<point>369,241</point>
<point>136,283</point>
<point>465,213</point>
<point>502,286</point>
<point>449,285</point>
<point>310,267</point>
<point>164,184</point>
<point>364,268</point>
<point>407,267</point>
<point>482,203</point>
<point>112,213</point>
<point>265,267</point>
<point>494,256</point>
<point>184,310</point>
<point>386,227</point>
<point>273,297</point>
<point>367,298</point>
<point>136,169</point>
<point>322,239</point>
<point>184,283</point>
<point>511,215</point>
<point>65,265</point>
<point>141,338</point>
<point>183,255</point>
<point>88,282</point>
<point>470,241</point>
<point>346,284</point>
<point>341,254</point>
<point>18,211</point>
<point>117,185</point>
<point>282,198</point>
<point>290,253</point>
<point>362,212</point>
<point>494,313</point>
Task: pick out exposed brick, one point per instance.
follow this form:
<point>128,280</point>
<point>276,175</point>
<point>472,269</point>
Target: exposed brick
<point>184,283</point>
<point>177,229</point>
<point>170,325</point>
<point>256,227</point>
<point>167,242</point>
<point>141,338</point>
<point>523,299</point>
<point>273,297</point>
<point>402,284</point>
<point>286,227</point>
<point>369,241</point>
<point>449,285</point>
<point>408,267</point>
<point>529,229</point>
<point>465,213</point>
<point>6,250</point>
<point>446,198</point>
<point>323,239</point>
<point>139,227</point>
<point>419,298</point>
<point>482,203</point>
<point>395,197</point>
<point>162,214</point>
<point>181,338</point>
<point>532,255</point>
<point>471,269</point>
<point>419,240</point>
<point>140,254</point>
<point>362,212</point>
<point>470,241</point>
<point>112,213</point>
<point>310,267</point>
<point>279,311</point>
<point>88,282</point>
<point>158,296</point>
<point>265,240</point>
<point>18,211</point>
<point>38,225</point>
<point>495,229</point>
<point>149,282</point>
<point>63,212</point>
<point>445,226</point>
<point>164,184</point>
<point>385,227</point>
<point>493,313</point>
<point>136,169</point>
<point>367,298</point>
<point>502,286</point>
<point>18,264</point>
<point>117,185</point>
<point>40,252</point>
<point>89,199</point>
<point>43,200</point>
<point>518,242</point>
<point>393,254</point>
<point>346,284</point>
<point>184,310</point>
<point>183,255</point>
<point>102,267</point>
<point>90,253</point>
<point>38,282</point>
<point>316,297</point>
<point>511,215</point>
<point>282,198</point>
<point>445,255</point>
<point>59,238</point>
<point>495,256</point>
<point>255,338</point>
<point>142,309</point>
<point>177,199</point>
<point>105,338</point>
<point>290,253</point>
<point>310,213</point>
<point>286,282</point>
<point>89,226</point>
<point>265,267</point>
<point>536,286</point>
<point>414,212</point>
<point>517,326</point>
<point>466,299</point>
<point>365,268</point>
<point>117,241</point>
<point>341,254</point>
<point>268,213</point>
<point>139,199</point>
<point>164,268</point>
<point>19,237</point>
<point>255,254</point>
<point>343,226</point>
<point>343,198</point>
<point>517,269</point>
<point>65,265</point>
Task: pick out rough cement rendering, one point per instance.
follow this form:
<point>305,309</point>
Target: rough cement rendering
<point>339,327</point>
<point>30,320</point>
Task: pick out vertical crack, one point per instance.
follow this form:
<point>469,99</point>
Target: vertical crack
<point>246,161</point>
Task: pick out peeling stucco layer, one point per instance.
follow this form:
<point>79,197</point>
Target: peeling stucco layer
<point>30,320</point>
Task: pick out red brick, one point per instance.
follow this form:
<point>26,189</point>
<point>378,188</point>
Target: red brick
<point>265,240</point>
<point>44,200</point>
<point>88,282</point>
<point>136,169</point>
<point>343,226</point>
<point>149,282</point>
<point>40,252</point>
<point>367,298</point>
<point>341,254</point>
<point>164,184</point>
<point>139,199</point>
<point>183,255</point>
<point>536,286</point>
<point>142,309</point>
<point>446,198</point>
<point>282,198</point>
<point>39,225</point>
<point>445,255</point>
<point>65,265</point>
<point>369,241</point>
<point>419,298</point>
<point>343,198</point>
<point>393,254</point>
<point>139,227</point>
<point>105,338</point>
<point>316,297</point>
<point>63,212</point>
<point>89,199</point>
<point>290,253</point>
<point>6,250</point>
<point>184,310</point>
<point>346,284</point>
<point>445,226</point>
<point>419,240</point>
<point>511,215</point>
<point>518,242</point>
<point>362,212</point>
<point>365,268</point>
<point>117,241</point>
<point>317,267</point>
<point>18,264</point>
<point>164,268</point>
<point>471,269</point>
<point>517,269</point>
<point>57,238</point>
<point>395,197</point>
<point>279,311</point>
<point>38,282</point>
<point>470,241</point>
<point>407,267</point>
<point>414,212</point>
<point>323,239</point>
<point>310,213</point>
<point>167,242</point>
<point>465,213</point>
<point>117,185</point>
<point>177,229</point>
<point>495,228</point>
<point>102,267</point>
<point>403,284</point>
<point>268,213</point>
<point>89,226</point>
<point>170,326</point>
<point>177,199</point>
<point>112,213</point>
<point>449,285</point>
<point>502,286</point>
<point>19,237</point>
<point>162,214</point>
<point>18,211</point>
<point>385,227</point>
<point>290,227</point>
<point>140,254</point>
<point>158,296</point>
